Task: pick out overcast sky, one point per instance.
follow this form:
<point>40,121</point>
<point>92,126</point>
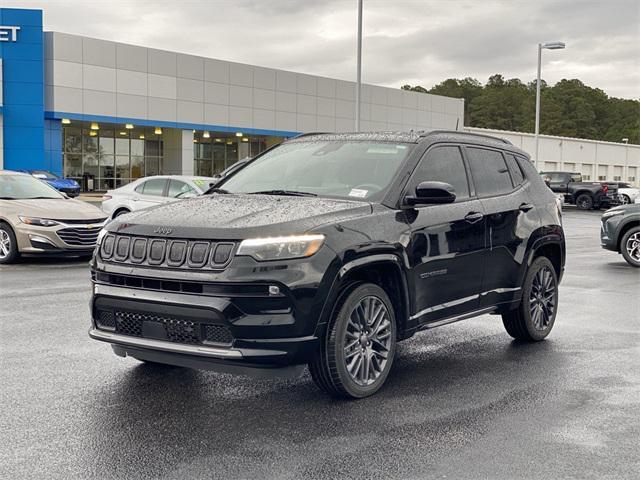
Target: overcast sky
<point>414,42</point>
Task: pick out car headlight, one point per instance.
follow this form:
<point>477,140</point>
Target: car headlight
<point>612,213</point>
<point>280,248</point>
<point>40,222</point>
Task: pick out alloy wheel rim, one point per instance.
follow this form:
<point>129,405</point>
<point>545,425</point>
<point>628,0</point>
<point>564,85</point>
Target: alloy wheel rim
<point>367,341</point>
<point>5,244</point>
<point>633,246</point>
<point>542,300</point>
<point>625,200</point>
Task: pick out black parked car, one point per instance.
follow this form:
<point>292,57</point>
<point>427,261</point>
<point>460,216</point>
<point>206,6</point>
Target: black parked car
<point>327,250</point>
<point>620,232</point>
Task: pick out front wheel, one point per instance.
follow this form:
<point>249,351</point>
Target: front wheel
<point>630,247</point>
<point>8,244</point>
<point>356,355</point>
<point>584,202</point>
<point>534,318</point>
<point>625,200</point>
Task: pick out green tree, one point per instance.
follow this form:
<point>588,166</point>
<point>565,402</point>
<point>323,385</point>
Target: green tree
<point>568,108</point>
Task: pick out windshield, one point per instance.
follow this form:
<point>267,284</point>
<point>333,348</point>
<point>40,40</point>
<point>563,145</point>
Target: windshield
<point>44,175</point>
<point>24,187</point>
<point>347,169</point>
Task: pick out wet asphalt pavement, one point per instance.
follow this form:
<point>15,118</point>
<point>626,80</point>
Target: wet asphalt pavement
<point>463,401</point>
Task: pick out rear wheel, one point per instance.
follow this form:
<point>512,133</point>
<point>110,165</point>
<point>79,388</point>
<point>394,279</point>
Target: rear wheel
<point>630,246</point>
<point>536,314</point>
<point>8,244</point>
<point>625,200</point>
<point>359,345</point>
<point>584,202</point>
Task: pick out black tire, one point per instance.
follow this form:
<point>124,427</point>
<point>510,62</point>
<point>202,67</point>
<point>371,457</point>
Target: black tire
<point>584,202</point>
<point>524,323</point>
<point>630,246</point>
<point>9,249</point>
<point>329,368</point>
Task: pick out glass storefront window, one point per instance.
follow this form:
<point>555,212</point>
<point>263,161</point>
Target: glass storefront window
<point>137,166</point>
<point>73,165</point>
<point>106,142</point>
<point>152,166</point>
<point>111,156</point>
<point>73,140</point>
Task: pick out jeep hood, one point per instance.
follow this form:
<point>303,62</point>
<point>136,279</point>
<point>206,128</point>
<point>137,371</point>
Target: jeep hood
<point>238,216</point>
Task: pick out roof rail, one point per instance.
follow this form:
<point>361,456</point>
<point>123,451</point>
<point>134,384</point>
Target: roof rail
<point>306,134</point>
<point>503,140</point>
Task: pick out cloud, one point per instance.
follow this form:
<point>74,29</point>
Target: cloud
<point>416,42</point>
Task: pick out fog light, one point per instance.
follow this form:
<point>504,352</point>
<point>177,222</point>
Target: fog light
<point>273,290</point>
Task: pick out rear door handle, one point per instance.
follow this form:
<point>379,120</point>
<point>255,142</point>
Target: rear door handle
<point>473,217</point>
<point>525,207</point>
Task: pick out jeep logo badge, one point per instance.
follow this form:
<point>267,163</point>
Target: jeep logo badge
<point>163,230</point>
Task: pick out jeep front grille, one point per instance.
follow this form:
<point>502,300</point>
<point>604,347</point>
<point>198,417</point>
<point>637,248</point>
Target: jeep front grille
<point>161,252</point>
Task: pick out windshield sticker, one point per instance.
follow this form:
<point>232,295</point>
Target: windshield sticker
<point>356,192</point>
<point>199,182</point>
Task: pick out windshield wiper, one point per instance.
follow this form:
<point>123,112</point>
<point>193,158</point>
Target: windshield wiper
<point>217,190</point>
<point>292,193</point>
<point>7,198</point>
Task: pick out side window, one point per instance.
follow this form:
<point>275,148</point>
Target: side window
<point>140,188</point>
<point>516,172</point>
<point>154,187</point>
<point>489,171</point>
<point>442,164</point>
<point>527,167</point>
<point>178,189</point>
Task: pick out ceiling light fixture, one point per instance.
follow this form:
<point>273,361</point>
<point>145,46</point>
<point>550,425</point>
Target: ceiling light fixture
<point>129,126</point>
<point>66,121</point>
<point>206,134</point>
<point>158,131</point>
<point>238,134</point>
<point>95,126</point>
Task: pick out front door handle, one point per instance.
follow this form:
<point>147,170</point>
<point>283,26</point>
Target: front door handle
<point>525,207</point>
<point>473,217</point>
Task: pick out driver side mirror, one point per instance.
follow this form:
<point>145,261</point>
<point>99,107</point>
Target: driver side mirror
<point>430,193</point>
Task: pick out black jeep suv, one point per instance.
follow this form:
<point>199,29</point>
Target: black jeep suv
<point>328,249</point>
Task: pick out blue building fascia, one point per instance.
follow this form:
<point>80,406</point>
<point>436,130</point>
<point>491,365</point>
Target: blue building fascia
<point>23,94</point>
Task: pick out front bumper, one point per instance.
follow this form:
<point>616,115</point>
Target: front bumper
<point>59,239</point>
<point>172,328</point>
<point>609,232</point>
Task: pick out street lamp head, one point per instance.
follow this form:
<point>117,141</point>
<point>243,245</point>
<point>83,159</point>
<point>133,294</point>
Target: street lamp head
<point>625,140</point>
<point>553,45</point>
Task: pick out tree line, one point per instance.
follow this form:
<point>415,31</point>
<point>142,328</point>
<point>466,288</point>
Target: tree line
<point>569,108</point>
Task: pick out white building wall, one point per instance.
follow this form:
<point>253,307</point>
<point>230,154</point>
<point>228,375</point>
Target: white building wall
<point>98,77</point>
<point>594,159</point>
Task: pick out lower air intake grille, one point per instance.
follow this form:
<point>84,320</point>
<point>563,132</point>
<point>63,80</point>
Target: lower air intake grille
<point>217,334</point>
<point>167,328</point>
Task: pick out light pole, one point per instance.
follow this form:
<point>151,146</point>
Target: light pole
<point>548,46</point>
<point>359,66</point>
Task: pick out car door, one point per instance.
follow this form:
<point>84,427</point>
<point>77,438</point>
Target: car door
<point>559,182</point>
<point>149,193</point>
<point>446,243</point>
<point>510,218</point>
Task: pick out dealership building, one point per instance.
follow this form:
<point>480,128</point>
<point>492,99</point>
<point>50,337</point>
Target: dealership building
<point>106,113</point>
